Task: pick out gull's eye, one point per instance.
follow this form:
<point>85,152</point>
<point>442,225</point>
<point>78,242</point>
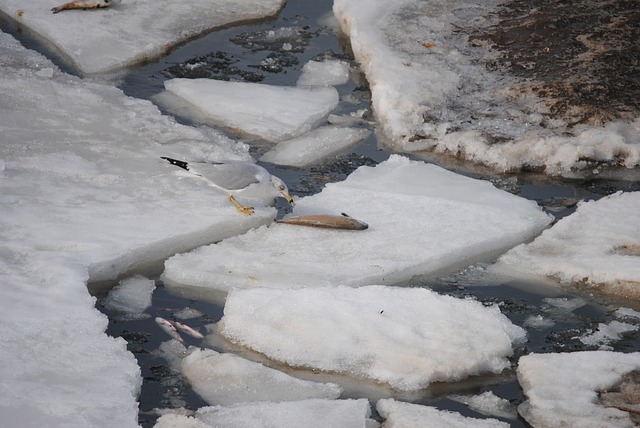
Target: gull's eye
<point>281,187</point>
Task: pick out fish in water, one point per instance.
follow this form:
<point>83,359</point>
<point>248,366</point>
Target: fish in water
<point>169,328</point>
<point>189,330</point>
<point>85,4</point>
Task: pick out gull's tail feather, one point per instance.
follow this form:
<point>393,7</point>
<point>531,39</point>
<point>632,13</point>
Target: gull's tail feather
<point>181,164</point>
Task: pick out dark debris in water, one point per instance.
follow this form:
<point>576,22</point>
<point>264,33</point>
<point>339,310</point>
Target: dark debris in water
<point>581,56</point>
<point>331,171</point>
<point>284,39</point>
<point>215,65</point>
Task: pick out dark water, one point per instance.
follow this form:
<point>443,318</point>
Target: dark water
<point>241,53</point>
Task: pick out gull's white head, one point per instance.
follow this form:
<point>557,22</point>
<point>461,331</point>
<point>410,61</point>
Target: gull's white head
<point>281,189</point>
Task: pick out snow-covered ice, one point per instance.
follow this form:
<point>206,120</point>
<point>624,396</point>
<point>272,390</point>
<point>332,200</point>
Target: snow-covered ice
<point>313,413</point>
<point>422,219</point>
<point>429,93</point>
<point>129,33</point>
<point>224,379</point>
<point>488,404</point>
<point>404,337</point>
<point>268,112</point>
<point>598,247</point>
<point>324,73</point>
<point>562,389</point>
<point>315,145</point>
<point>398,414</point>
<point>132,296</point>
<point>85,197</point>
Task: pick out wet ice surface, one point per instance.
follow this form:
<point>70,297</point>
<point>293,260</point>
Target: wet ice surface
<point>559,319</point>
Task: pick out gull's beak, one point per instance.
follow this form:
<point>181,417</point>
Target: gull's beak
<point>288,198</point>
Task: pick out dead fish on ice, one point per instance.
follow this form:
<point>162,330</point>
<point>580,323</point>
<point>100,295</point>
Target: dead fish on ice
<point>328,221</point>
<point>169,328</point>
<point>85,4</point>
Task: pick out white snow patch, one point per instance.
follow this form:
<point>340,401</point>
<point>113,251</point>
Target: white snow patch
<point>405,337</point>
<point>315,145</point>
<point>313,413</point>
<point>561,389</point>
<point>132,296</point>
<point>324,73</point>
<point>131,32</point>
<point>400,415</point>
<point>271,113</point>
<point>422,219</point>
<point>225,379</point>
<point>85,197</point>
<point>582,249</point>
<point>429,94</point>
<point>627,313</point>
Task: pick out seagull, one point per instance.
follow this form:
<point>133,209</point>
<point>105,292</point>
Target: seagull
<point>240,179</point>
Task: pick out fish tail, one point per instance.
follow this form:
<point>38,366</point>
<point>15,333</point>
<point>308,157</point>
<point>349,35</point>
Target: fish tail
<point>181,164</point>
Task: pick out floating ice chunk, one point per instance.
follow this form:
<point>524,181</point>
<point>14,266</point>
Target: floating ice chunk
<point>564,303</point>
<point>324,73</point>
<point>399,414</point>
<point>562,389</point>
<point>313,413</point>
<point>607,333</point>
<point>272,113</point>
<point>405,337</point>
<point>488,404</point>
<point>130,32</point>
<point>582,249</point>
<point>627,313</point>
<point>314,146</point>
<point>537,321</point>
<point>132,296</point>
<point>421,219</point>
<point>225,379</point>
<point>187,313</point>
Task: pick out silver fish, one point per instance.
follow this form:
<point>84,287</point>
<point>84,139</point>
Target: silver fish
<point>190,331</point>
<point>169,328</point>
<point>85,4</point>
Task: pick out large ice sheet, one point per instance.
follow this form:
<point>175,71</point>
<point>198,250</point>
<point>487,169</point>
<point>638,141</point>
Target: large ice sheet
<point>85,197</point>
<point>315,145</point>
<point>562,389</point>
<point>399,414</point>
<point>224,379</point>
<point>598,247</point>
<point>429,94</point>
<point>131,32</point>
<point>404,337</point>
<point>272,113</point>
<point>313,413</point>
<point>422,219</point>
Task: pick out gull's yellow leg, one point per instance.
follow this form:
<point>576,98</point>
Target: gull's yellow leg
<point>241,208</point>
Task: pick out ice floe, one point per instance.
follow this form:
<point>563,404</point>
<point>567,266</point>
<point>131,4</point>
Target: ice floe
<point>132,296</point>
<point>586,250</point>
<point>488,404</point>
<point>313,413</point>
<point>562,389</point>
<point>315,145</point>
<point>85,197</point>
<point>404,337</point>
<point>268,112</point>
<point>324,73</point>
<point>131,32</point>
<point>604,334</point>
<point>430,92</point>
<point>225,379</point>
<point>399,414</point>
<point>422,219</point>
